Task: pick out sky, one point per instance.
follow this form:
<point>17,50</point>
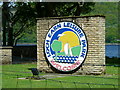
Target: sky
<point>1,3</point>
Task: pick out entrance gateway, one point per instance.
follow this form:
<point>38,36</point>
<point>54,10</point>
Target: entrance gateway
<point>65,46</point>
<point>71,44</point>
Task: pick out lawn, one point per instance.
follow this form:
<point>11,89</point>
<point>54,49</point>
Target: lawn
<point>11,73</point>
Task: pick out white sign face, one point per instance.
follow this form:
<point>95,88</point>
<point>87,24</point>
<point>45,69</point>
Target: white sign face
<point>66,46</point>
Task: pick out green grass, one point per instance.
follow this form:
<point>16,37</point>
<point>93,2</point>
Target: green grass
<point>9,79</point>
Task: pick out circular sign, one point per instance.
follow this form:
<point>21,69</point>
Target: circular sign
<point>66,46</point>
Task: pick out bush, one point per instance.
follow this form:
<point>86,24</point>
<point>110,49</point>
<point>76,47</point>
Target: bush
<point>112,61</point>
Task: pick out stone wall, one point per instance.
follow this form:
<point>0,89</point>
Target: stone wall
<point>6,55</point>
<point>94,28</point>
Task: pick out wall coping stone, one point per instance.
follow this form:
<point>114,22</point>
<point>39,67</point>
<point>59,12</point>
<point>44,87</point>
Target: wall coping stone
<point>65,17</point>
<point>6,47</point>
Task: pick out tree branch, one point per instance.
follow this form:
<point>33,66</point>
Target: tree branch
<point>19,31</point>
<point>15,40</point>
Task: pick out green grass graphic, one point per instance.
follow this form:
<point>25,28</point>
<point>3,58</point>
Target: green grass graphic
<point>75,51</point>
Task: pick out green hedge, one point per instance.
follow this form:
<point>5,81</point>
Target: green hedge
<point>113,60</point>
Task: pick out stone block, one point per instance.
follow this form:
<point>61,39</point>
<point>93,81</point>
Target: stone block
<point>6,55</point>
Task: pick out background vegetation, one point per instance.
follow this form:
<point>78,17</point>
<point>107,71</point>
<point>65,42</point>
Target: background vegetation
<point>19,18</point>
<point>108,9</point>
<point>23,22</point>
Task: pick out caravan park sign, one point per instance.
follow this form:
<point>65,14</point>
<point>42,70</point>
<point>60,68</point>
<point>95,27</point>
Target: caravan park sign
<point>66,46</point>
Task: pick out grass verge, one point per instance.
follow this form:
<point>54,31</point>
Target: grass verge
<point>11,73</point>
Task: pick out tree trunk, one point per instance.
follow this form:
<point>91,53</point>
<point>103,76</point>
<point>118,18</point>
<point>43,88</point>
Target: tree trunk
<point>4,21</point>
<point>10,36</point>
<point>4,35</point>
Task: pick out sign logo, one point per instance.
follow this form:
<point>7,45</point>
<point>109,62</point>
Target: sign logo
<point>65,46</point>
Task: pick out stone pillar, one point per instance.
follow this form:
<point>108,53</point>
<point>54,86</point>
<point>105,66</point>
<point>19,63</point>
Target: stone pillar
<point>94,28</point>
<point>6,53</point>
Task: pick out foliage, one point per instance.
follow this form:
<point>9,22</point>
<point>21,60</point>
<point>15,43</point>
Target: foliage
<point>14,25</point>
<point>110,11</point>
<point>113,61</point>
<point>26,14</point>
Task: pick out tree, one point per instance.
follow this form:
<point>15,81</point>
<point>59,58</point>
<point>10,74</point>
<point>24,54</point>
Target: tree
<point>26,14</point>
<point>11,21</point>
<point>63,8</point>
<point>56,46</point>
<point>4,21</point>
<point>74,9</point>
